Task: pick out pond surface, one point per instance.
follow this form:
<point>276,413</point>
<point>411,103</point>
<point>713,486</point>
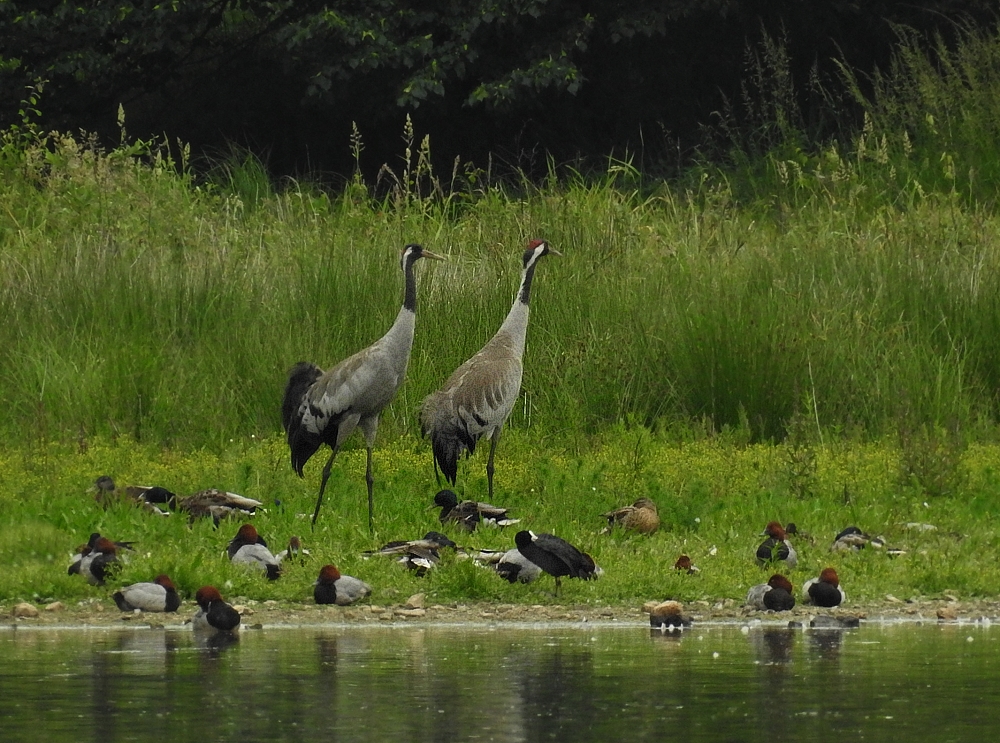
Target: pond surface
<point>574,683</point>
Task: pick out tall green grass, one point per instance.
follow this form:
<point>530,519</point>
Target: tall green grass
<point>847,285</point>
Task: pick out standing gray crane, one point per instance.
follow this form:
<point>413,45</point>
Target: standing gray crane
<point>325,407</point>
<point>479,395</point>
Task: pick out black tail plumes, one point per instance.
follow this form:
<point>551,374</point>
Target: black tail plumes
<point>300,378</point>
<point>449,439</point>
<point>302,443</point>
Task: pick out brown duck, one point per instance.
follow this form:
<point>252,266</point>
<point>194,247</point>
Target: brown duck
<point>641,517</point>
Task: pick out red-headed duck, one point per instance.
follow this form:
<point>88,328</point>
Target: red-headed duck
<point>97,561</point>
<point>293,552</point>
<point>684,563</point>
<point>824,591</point>
<point>214,614</point>
<point>160,595</point>
<point>249,548</point>
<point>89,548</point>
<point>776,549</point>
<point>343,590</point>
<point>325,589</point>
<point>775,595</point>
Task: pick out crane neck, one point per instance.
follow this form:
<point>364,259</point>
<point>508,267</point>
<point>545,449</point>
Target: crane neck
<point>399,337</point>
<point>516,323</point>
<point>524,292</point>
<point>410,282</point>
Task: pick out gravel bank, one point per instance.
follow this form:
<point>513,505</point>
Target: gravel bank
<point>417,610</point>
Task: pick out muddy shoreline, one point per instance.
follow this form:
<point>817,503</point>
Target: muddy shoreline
<point>264,614</point>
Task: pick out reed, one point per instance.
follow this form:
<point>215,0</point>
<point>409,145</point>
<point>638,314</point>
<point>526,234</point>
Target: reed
<point>140,303</point>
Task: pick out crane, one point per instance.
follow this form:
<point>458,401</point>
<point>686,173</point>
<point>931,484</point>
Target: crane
<point>325,407</point>
<point>479,395</point>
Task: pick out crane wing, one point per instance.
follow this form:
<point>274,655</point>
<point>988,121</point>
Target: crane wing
<point>485,393</point>
<point>331,406</point>
<point>350,386</point>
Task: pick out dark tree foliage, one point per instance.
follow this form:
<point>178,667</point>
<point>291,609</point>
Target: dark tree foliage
<point>510,77</point>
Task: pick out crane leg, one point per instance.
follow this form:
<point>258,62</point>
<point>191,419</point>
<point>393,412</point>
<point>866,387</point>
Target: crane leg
<point>322,486</point>
<point>494,439</point>
<point>370,480</point>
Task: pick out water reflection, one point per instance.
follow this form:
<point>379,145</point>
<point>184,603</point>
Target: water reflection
<point>215,642</point>
<point>772,645</point>
<point>449,684</point>
<point>826,643</point>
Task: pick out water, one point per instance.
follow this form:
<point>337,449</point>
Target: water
<point>572,683</point>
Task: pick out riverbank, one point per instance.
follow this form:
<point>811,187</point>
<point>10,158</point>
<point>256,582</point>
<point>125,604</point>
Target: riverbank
<point>272,614</point>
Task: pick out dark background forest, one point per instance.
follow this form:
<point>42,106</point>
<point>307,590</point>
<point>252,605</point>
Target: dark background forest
<point>510,81</point>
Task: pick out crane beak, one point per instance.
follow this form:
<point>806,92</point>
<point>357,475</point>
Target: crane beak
<point>433,256</point>
<point>552,251</point>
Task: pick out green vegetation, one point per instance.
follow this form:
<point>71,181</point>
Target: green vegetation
<point>809,337</point>
<point>714,497</point>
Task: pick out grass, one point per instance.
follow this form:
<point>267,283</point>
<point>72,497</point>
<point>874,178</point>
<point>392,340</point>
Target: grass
<point>807,333</point>
<point>714,498</point>
<point>143,306</point>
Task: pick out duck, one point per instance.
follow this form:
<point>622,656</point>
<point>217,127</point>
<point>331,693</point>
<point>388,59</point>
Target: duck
<point>467,514</point>
<point>776,548</point>
<point>325,587</point>
<point>350,590</point>
<point>249,548</point>
<point>850,539</point>
<point>419,555</point>
<point>209,503</point>
<point>107,494</point>
<point>101,562</point>
<point>97,559</point>
<point>293,552</point>
<point>775,595</point>
<point>160,595</point>
<point>510,564</point>
<point>343,590</point>
<point>556,556</point>
<point>825,590</point>
<point>217,505</point>
<point>684,563</point>
<point>214,614</point>
<point>514,567</point>
<point>792,530</point>
<point>85,553</point>
<point>641,517</point>
<point>667,615</point>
